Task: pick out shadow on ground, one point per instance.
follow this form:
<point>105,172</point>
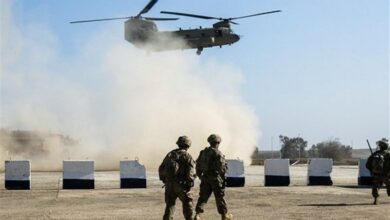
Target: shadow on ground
<point>342,204</point>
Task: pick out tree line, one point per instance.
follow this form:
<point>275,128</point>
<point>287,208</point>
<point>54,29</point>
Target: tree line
<point>296,148</point>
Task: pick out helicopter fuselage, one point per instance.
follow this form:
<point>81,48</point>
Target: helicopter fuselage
<point>207,37</point>
<point>145,34</point>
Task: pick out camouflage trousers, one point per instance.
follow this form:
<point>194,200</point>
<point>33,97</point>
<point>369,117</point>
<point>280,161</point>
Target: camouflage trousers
<point>378,181</point>
<point>210,185</point>
<point>174,190</point>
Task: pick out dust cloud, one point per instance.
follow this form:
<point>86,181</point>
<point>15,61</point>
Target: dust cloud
<point>115,100</point>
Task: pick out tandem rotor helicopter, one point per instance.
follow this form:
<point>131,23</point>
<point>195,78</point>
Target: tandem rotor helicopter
<point>143,33</point>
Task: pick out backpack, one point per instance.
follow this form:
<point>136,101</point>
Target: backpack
<point>375,163</point>
<point>169,168</point>
<point>203,161</point>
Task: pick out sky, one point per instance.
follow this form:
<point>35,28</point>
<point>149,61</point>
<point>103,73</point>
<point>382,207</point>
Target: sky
<point>318,70</point>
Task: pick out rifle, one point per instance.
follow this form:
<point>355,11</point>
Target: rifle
<point>370,147</point>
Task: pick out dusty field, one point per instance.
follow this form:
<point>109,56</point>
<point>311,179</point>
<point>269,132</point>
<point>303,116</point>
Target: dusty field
<point>254,201</point>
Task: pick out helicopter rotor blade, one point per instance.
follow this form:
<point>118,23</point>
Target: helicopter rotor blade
<point>147,7</point>
<point>221,19</point>
<point>189,15</point>
<point>104,19</point>
<point>160,19</point>
<point>247,16</point>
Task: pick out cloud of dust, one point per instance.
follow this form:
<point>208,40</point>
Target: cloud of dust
<point>116,100</point>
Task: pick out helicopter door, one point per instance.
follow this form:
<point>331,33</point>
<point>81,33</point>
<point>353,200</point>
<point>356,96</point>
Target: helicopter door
<point>219,33</point>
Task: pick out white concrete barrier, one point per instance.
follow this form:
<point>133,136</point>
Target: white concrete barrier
<point>78,174</point>
<point>365,178</point>
<point>235,176</point>
<point>17,174</point>
<point>132,174</point>
<point>277,172</point>
<point>319,171</point>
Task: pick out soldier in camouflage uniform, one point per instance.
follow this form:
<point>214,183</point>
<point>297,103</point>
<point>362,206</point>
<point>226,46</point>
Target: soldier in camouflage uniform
<point>381,173</point>
<point>211,168</point>
<point>179,185</point>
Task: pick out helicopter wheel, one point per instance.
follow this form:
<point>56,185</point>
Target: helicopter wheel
<point>199,51</point>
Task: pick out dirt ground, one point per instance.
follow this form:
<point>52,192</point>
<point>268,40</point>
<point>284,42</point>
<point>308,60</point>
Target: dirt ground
<point>344,200</point>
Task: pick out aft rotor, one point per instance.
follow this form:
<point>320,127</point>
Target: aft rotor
<point>224,22</point>
<point>138,16</point>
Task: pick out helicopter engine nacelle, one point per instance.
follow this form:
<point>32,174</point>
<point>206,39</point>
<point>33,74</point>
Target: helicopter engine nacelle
<point>139,32</point>
<point>222,24</point>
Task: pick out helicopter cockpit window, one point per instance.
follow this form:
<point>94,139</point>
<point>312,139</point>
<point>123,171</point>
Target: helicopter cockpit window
<point>227,30</point>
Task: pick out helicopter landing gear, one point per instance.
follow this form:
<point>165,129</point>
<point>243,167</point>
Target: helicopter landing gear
<point>199,51</point>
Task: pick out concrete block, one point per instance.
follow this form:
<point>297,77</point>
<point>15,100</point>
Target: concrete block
<point>277,172</point>
<point>132,174</point>
<point>235,176</point>
<point>319,172</point>
<point>364,178</point>
<point>17,175</point>
<point>78,174</point>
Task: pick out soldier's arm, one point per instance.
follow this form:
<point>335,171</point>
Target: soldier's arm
<point>197,166</point>
<point>161,168</point>
<point>368,163</point>
<point>387,164</point>
<point>191,169</point>
<point>221,163</point>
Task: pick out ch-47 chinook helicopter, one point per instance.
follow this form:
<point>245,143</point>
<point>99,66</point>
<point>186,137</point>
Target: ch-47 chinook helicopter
<point>143,33</point>
<point>220,34</point>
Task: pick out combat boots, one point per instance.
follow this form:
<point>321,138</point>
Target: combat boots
<point>227,216</point>
<point>224,217</point>
<point>197,216</point>
<point>375,201</point>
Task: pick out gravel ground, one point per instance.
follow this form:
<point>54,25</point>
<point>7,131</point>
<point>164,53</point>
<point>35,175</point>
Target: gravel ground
<point>343,200</point>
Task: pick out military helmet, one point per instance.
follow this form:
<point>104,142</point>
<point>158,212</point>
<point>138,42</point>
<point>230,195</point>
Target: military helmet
<point>183,141</point>
<point>383,144</point>
<point>214,138</point>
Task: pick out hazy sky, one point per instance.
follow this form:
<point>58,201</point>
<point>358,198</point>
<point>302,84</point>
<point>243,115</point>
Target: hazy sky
<point>319,69</point>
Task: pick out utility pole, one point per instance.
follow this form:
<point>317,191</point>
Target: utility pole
<point>299,150</point>
<point>272,146</point>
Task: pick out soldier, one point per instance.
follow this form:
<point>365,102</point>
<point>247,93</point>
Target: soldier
<point>211,168</point>
<point>379,166</point>
<point>177,173</point>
